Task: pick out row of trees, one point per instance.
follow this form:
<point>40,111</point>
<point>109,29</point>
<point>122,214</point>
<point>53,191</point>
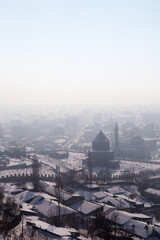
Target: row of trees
<point>9,213</point>
<point>86,176</point>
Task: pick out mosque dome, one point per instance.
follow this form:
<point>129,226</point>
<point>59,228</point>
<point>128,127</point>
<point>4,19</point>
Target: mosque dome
<point>101,142</point>
<point>136,141</point>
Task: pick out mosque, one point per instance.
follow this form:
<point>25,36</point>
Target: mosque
<point>101,154</point>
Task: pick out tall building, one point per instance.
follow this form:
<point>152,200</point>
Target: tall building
<point>101,154</point>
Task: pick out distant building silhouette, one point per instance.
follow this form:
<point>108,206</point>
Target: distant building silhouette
<point>101,154</point>
<point>135,149</point>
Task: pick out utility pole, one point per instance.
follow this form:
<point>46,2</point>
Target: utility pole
<point>58,187</point>
<point>90,166</point>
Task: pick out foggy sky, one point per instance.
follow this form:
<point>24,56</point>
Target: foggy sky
<point>87,51</point>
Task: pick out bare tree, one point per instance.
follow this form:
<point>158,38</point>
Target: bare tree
<point>1,199</point>
<point>115,220</point>
<point>58,193</point>
<point>10,215</point>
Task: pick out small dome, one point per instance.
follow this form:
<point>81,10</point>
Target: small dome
<point>136,140</point>
<point>101,142</point>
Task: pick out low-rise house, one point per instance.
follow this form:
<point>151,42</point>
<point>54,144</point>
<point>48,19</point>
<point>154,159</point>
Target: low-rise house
<point>64,197</point>
<point>51,231</point>
<point>133,202</point>
<point>51,208</point>
<point>27,209</point>
<point>92,187</point>
<point>152,194</point>
<point>27,196</point>
<point>99,195</point>
<point>88,195</point>
<point>117,202</point>
<point>45,204</point>
<point>121,217</point>
<point>118,190</point>
<point>87,208</point>
<point>118,217</point>
<point>92,196</point>
<point>138,228</point>
<point>107,208</point>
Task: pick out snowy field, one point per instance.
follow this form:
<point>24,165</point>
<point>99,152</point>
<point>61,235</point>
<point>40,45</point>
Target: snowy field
<point>128,166</point>
<point>48,165</point>
<point>134,167</point>
<point>74,160</point>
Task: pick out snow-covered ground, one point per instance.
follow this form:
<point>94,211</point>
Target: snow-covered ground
<point>74,161</point>
<point>128,166</point>
<point>135,167</point>
<point>15,161</point>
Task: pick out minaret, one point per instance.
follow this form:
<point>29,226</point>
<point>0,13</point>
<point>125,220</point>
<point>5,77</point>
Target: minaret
<point>116,144</point>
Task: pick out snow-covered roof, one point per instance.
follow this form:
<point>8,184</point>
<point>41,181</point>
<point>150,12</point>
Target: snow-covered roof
<point>59,231</point>
<point>57,193</point>
<point>106,207</point>
<point>153,191</point>
<point>120,217</point>
<point>36,199</point>
<point>126,198</point>
<point>91,186</point>
<point>51,208</point>
<point>26,196</point>
<point>92,196</point>
<point>118,190</point>
<point>11,188</point>
<point>87,195</point>
<point>138,228</point>
<point>85,207</point>
<point>99,195</point>
<point>132,189</point>
<point>27,208</point>
<point>116,202</point>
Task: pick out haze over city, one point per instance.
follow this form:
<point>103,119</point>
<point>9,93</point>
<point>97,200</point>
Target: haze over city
<point>80,119</point>
<point>79,52</point>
